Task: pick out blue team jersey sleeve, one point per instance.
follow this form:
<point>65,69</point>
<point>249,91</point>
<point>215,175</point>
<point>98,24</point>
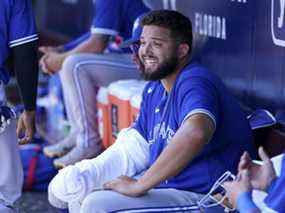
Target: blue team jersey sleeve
<point>22,28</point>
<point>196,95</point>
<point>107,19</point>
<point>276,194</point>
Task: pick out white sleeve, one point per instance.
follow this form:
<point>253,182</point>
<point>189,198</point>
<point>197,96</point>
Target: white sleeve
<point>277,163</point>
<point>128,156</point>
<point>258,199</point>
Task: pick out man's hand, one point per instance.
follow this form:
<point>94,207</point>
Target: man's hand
<point>45,62</point>
<point>261,176</point>
<point>51,62</point>
<point>44,66</point>
<point>126,186</point>
<point>236,187</point>
<point>26,127</point>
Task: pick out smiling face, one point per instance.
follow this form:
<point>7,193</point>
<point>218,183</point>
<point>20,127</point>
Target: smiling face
<point>158,53</point>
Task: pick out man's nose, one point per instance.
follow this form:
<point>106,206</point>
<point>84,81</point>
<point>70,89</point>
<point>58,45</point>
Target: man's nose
<point>147,48</point>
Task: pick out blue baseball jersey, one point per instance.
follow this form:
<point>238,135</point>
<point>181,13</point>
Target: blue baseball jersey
<point>276,195</point>
<point>196,90</point>
<point>17,27</point>
<point>116,17</point>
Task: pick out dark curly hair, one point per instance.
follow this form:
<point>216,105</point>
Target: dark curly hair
<point>179,25</point>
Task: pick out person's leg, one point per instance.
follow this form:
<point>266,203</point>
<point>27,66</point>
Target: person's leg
<point>81,75</point>
<point>11,178</point>
<point>5,209</point>
<point>55,115</point>
<point>156,200</point>
<point>54,201</point>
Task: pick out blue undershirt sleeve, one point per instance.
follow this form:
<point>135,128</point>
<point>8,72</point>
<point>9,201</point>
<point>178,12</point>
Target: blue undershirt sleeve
<point>108,17</point>
<point>75,42</point>
<point>245,203</point>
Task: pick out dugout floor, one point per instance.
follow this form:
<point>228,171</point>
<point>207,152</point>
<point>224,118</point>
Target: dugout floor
<point>35,202</point>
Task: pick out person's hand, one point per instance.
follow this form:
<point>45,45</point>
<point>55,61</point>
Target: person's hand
<point>236,187</point>
<point>26,127</point>
<point>261,176</point>
<point>53,61</point>
<point>44,66</point>
<point>126,186</point>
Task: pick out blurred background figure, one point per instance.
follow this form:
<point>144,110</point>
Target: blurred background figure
<point>18,43</point>
<point>83,67</point>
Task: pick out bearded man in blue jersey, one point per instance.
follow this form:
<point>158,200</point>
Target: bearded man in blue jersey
<point>189,131</point>
<point>18,41</point>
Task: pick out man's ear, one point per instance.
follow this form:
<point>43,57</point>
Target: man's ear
<point>183,50</point>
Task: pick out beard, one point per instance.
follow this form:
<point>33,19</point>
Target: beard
<point>165,69</point>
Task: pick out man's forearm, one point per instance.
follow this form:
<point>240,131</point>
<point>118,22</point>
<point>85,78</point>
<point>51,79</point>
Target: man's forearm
<point>94,44</point>
<point>26,70</point>
<point>188,141</point>
<point>75,42</point>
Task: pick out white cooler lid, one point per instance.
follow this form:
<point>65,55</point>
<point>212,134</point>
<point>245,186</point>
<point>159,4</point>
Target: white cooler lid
<point>123,89</point>
<point>102,95</point>
<point>136,100</point>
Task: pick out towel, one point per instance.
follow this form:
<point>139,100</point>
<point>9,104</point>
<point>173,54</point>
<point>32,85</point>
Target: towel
<point>129,155</point>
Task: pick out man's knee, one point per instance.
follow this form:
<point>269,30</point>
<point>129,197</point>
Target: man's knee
<point>101,201</point>
<point>69,64</point>
<point>93,203</point>
<point>88,205</point>
<point>54,201</point>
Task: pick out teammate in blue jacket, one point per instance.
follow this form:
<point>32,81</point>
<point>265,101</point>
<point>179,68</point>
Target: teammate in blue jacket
<point>82,73</point>
<point>261,177</point>
<point>112,18</point>
<point>183,140</point>
<point>18,41</point>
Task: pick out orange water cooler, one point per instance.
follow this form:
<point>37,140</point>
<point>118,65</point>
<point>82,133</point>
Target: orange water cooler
<point>120,93</point>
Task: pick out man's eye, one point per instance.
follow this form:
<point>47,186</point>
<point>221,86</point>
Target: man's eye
<point>142,43</point>
<point>157,44</point>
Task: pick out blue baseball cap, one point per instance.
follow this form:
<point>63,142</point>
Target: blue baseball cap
<point>136,33</point>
